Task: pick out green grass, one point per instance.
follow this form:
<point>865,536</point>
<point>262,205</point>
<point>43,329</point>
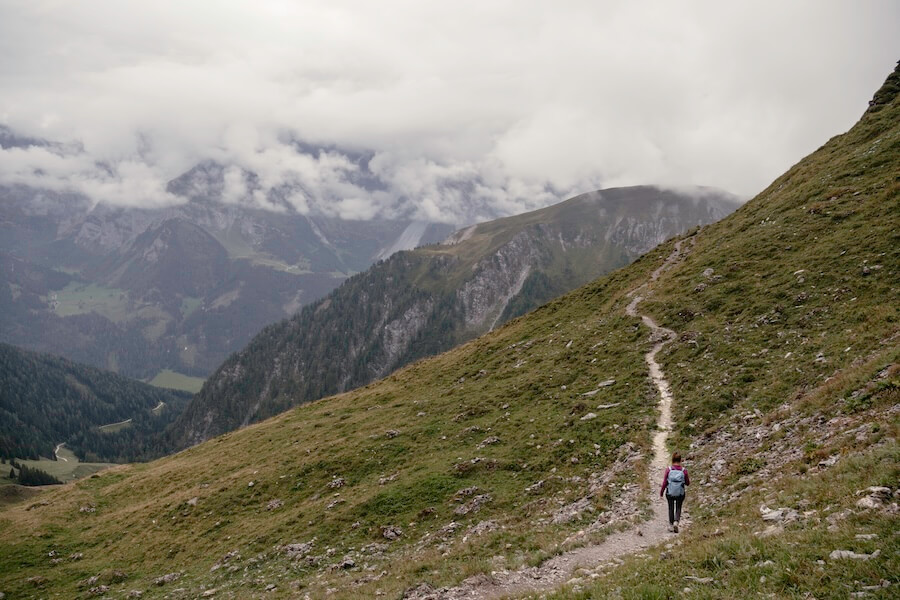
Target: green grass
<point>758,338</point>
<point>189,305</point>
<point>80,298</point>
<point>726,545</point>
<point>177,381</point>
<point>67,467</point>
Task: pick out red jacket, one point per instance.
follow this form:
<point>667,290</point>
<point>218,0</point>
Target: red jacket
<point>687,479</point>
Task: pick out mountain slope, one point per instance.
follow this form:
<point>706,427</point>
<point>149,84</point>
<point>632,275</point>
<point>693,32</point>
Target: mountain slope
<point>47,400</point>
<point>139,291</point>
<point>425,301</point>
<point>480,460</point>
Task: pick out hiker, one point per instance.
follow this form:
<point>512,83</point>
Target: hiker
<point>674,480</point>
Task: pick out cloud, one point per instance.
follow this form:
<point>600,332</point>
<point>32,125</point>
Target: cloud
<point>438,111</point>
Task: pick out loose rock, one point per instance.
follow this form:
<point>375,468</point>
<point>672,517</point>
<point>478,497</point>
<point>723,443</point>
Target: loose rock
<point>167,578</point>
<point>849,554</point>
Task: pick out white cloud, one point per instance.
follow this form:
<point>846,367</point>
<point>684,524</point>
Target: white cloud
<point>469,109</point>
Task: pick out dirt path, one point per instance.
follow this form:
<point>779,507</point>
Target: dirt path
<point>56,453</point>
<point>560,569</point>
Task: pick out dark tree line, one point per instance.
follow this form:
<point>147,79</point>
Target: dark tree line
<point>32,476</point>
<point>46,400</point>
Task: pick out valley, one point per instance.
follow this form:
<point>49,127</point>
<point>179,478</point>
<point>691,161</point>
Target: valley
<point>418,303</point>
<point>147,292</point>
<point>498,463</point>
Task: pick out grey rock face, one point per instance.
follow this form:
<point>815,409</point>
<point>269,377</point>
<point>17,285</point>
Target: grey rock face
<point>426,301</point>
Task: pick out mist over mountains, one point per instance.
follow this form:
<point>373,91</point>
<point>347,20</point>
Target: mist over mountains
<point>145,290</point>
<point>527,460</point>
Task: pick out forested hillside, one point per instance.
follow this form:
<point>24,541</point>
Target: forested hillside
<point>422,302</point>
<point>776,332</point>
<point>47,400</point>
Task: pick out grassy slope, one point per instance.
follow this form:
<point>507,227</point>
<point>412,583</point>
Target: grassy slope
<point>64,470</point>
<point>142,518</point>
<point>812,351</point>
<point>177,381</point>
<point>145,526</point>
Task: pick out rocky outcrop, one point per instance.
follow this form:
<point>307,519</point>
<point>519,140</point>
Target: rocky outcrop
<point>499,277</point>
<point>419,303</point>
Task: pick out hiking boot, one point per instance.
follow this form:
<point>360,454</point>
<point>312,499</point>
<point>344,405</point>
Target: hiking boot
<point>675,526</point>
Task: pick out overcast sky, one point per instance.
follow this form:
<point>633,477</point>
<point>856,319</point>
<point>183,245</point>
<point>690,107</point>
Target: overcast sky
<point>468,109</point>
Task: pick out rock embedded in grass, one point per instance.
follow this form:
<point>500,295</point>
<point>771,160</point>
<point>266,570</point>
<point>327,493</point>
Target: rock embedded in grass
<point>167,578</point>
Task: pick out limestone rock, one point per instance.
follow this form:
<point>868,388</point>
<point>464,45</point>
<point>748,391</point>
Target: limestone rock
<point>849,554</point>
<point>298,550</point>
<point>167,578</point>
<point>473,505</point>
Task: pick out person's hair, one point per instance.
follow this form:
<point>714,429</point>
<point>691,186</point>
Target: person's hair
<point>676,457</point>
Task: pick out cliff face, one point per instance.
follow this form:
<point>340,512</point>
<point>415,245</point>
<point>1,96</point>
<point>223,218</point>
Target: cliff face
<point>422,302</point>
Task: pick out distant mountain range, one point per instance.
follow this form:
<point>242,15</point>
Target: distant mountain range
<point>145,291</point>
<point>525,462</point>
<point>421,302</point>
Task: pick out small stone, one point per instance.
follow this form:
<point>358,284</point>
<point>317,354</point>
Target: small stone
<point>391,532</point>
<point>589,416</point>
<point>271,587</point>
<point>298,550</point>
<point>489,441</point>
<point>849,554</point>
<point>337,482</point>
<point>778,514</point>
<point>167,578</point>
<point>473,505</point>
<point>193,501</point>
<point>208,593</point>
<point>391,433</point>
<point>273,504</point>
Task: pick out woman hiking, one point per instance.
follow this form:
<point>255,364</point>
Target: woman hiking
<point>674,481</point>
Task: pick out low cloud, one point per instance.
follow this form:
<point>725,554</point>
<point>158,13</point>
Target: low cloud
<point>439,111</point>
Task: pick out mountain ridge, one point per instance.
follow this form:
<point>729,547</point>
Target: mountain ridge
<point>495,456</point>
<point>80,290</point>
<point>425,301</point>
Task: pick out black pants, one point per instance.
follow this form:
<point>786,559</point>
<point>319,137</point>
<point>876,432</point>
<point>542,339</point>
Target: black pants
<point>675,503</point>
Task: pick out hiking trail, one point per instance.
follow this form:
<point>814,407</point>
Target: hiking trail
<point>556,571</point>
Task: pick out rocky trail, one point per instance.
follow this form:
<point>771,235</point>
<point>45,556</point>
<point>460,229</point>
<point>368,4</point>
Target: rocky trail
<point>590,560</point>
